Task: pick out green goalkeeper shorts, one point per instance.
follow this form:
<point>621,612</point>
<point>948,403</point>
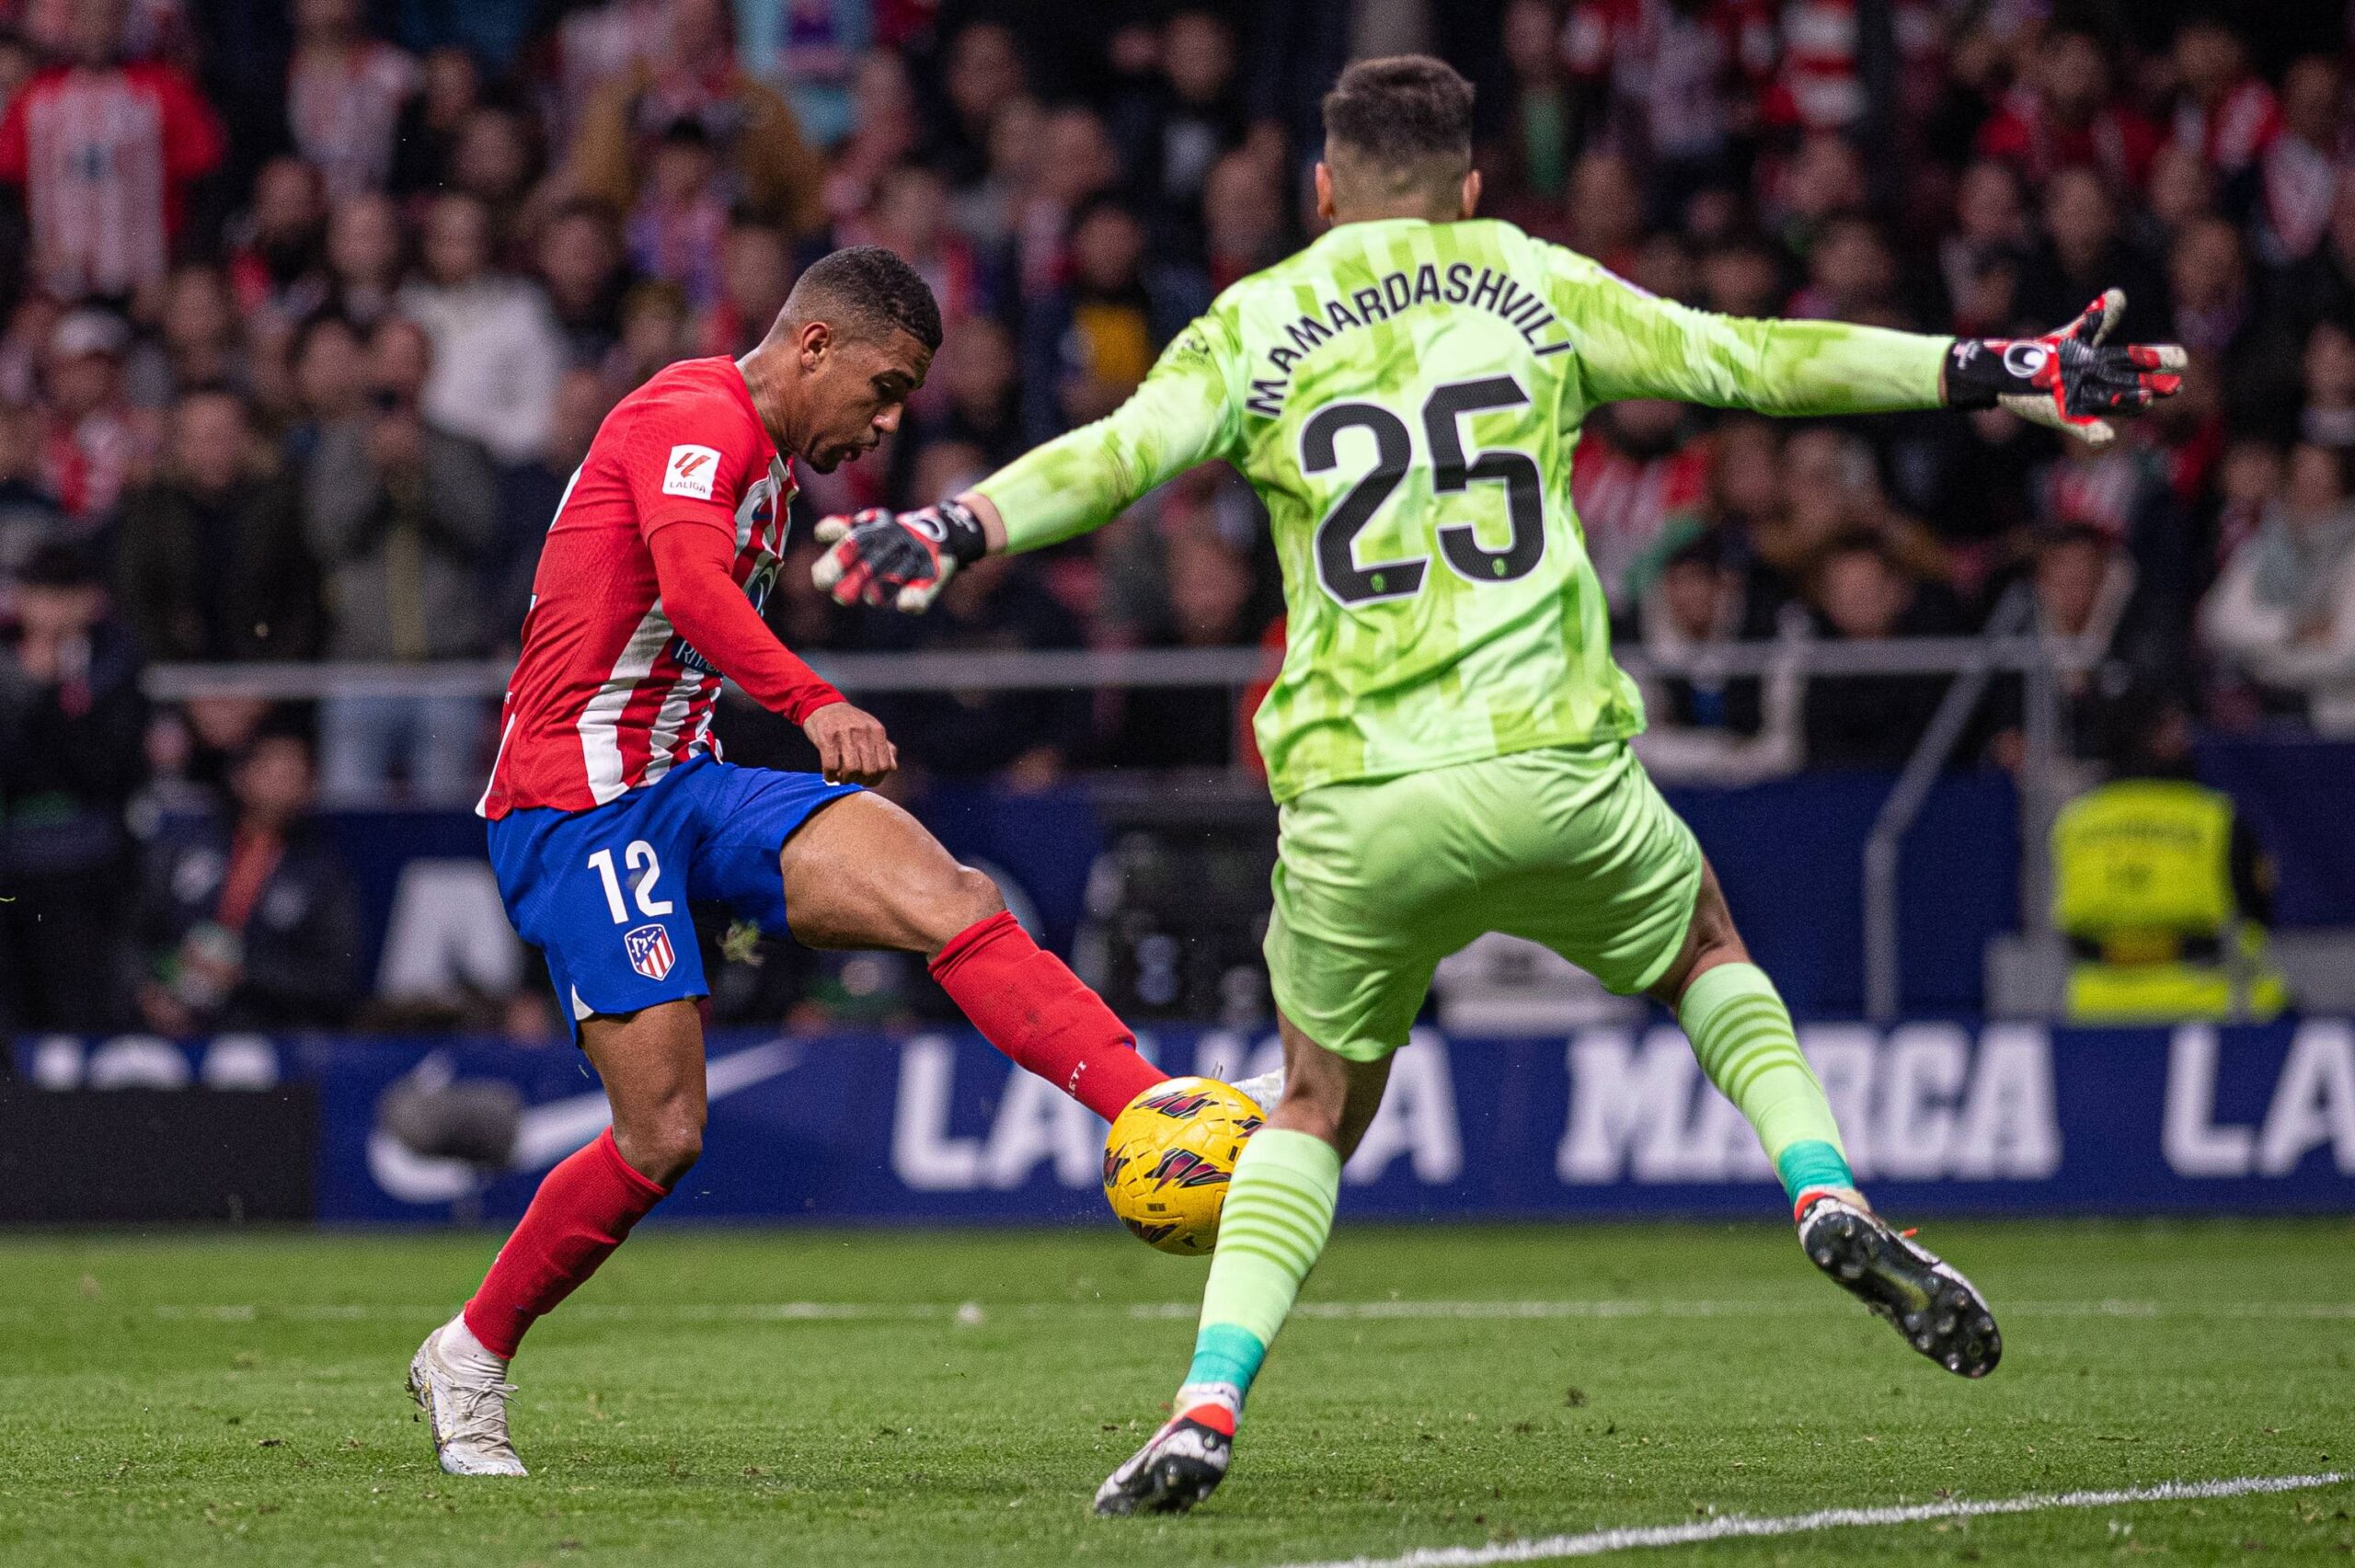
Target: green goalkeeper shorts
<point>1377,881</point>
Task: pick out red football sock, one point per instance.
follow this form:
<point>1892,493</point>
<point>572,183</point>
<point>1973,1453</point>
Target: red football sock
<point>1036,1011</point>
<point>579,1215</point>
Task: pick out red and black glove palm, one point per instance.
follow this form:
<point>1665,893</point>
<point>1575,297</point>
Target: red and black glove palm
<point>2065,379</point>
<point>901,559</point>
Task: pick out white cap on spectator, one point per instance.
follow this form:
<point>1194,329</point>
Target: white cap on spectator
<point>80,332</point>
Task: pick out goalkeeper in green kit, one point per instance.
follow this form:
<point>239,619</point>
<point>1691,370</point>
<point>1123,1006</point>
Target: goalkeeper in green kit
<point>1448,734</point>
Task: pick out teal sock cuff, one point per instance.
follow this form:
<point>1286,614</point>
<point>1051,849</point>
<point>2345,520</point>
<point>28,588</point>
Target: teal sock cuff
<point>1811,1162</point>
<point>1225,1353</point>
<point>1714,987</point>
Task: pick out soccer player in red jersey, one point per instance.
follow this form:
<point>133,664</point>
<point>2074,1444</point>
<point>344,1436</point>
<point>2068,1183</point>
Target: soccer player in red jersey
<point>610,810</point>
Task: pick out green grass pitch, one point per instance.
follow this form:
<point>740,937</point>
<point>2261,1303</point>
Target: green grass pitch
<point>817,1396</point>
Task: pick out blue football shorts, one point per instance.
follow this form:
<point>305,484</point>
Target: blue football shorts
<point>605,894</point>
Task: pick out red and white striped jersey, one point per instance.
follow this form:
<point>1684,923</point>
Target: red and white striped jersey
<point>87,461</point>
<point>607,695</point>
<point>1817,86</point>
<point>2236,132</point>
<point>102,156</point>
<point>1674,69</point>
<point>343,107</point>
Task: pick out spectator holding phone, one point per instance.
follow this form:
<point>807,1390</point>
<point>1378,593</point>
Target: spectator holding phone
<point>400,515</point>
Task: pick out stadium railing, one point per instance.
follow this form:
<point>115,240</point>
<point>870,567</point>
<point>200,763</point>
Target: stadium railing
<point>2007,648</point>
<point>1062,668</point>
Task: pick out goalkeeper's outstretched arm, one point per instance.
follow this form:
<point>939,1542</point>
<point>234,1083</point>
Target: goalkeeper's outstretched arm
<point>1631,343</point>
<point>1186,412</point>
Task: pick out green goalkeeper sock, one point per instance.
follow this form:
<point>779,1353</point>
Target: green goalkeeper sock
<point>1743,1034</point>
<point>1279,1211</point>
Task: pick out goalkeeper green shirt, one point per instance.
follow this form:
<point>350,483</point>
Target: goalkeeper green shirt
<point>1404,396</point>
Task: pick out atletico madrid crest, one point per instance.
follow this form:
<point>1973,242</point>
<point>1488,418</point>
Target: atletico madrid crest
<point>649,951</point>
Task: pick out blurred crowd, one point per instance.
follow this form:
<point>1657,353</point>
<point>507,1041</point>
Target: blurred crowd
<point>308,308</point>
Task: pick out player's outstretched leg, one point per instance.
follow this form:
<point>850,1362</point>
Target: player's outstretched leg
<point>651,1063</point>
<point>1277,1214</point>
<point>1743,1034</point>
<point>863,874</point>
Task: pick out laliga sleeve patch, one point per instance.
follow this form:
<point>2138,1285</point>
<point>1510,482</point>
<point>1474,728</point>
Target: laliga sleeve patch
<point>690,471</point>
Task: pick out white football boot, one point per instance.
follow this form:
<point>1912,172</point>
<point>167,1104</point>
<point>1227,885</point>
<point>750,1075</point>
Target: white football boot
<point>1264,1090</point>
<point>463,1390</point>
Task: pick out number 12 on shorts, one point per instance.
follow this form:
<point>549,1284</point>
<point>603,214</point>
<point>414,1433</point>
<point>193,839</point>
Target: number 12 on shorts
<point>646,870</point>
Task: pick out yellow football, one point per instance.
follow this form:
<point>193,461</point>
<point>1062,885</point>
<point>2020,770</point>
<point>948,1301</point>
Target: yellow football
<point>1168,1160</point>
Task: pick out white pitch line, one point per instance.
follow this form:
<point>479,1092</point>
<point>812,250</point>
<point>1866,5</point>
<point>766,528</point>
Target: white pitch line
<point>1729,1526</point>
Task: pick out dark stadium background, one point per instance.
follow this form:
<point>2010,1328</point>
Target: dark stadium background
<point>308,308</point>
<point>280,429</point>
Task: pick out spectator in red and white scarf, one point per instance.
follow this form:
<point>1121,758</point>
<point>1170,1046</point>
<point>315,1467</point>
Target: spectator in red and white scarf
<point>105,152</point>
<point>2109,489</point>
<point>91,441</point>
<point>1681,75</point>
<point>1818,82</point>
<point>2224,109</point>
<point>1631,475</point>
<point>2063,115</point>
<point>2299,175</point>
<point>280,260</point>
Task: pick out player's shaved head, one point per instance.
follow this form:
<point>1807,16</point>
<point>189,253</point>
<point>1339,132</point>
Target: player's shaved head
<point>850,347</point>
<point>1398,129</point>
<point>866,291</point>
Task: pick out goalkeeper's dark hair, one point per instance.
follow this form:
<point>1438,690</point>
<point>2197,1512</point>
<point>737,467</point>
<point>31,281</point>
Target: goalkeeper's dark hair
<point>869,290</point>
<point>1403,124</point>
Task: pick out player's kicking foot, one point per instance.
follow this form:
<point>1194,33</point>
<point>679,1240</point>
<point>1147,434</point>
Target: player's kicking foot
<point>1940,1313</point>
<point>1264,1090</point>
<point>463,1390</point>
<point>1182,1464</point>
